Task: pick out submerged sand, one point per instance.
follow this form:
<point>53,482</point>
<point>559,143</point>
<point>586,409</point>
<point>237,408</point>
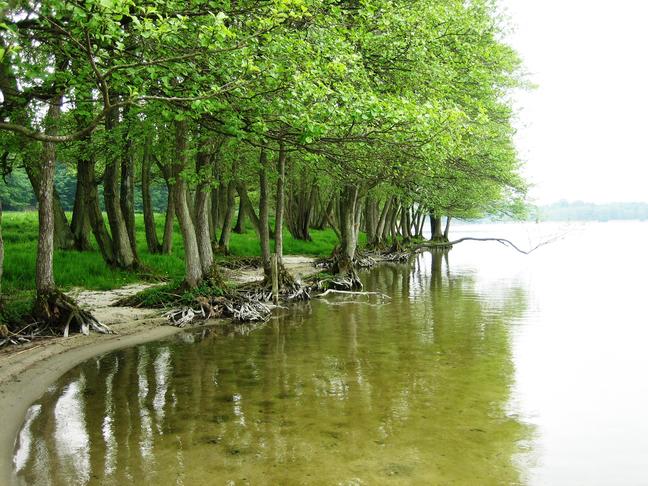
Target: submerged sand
<point>26,371</point>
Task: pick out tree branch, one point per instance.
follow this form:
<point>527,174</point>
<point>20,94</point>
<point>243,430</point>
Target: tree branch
<point>502,241</point>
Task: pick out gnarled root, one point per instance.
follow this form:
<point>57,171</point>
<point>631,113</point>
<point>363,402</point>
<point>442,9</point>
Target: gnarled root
<point>58,311</point>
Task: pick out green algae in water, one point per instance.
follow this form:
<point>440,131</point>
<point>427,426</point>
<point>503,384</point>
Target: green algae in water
<point>416,391</point>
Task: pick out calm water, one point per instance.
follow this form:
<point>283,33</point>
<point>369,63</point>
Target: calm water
<point>487,367</point>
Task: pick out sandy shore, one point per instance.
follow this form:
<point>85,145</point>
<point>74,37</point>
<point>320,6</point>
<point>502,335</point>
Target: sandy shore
<point>27,371</point>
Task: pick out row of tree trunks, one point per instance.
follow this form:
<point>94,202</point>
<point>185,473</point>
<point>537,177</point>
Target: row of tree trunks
<point>323,210</point>
<point>152,242</point>
<point>301,200</point>
<point>122,248</point>
<point>87,185</point>
<point>167,238</point>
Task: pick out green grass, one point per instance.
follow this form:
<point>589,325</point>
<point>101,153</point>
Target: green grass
<point>88,270</point>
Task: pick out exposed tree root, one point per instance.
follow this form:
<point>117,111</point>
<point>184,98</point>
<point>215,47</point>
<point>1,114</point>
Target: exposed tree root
<point>28,333</point>
<point>340,282</point>
<point>247,303</point>
<point>239,263</point>
<point>59,312</point>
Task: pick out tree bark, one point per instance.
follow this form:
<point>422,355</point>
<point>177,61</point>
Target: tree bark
<point>63,237</point>
<point>446,231</point>
<point>279,203</point>
<point>249,209</point>
<point>45,254</point>
<point>124,257</point>
<point>167,238</point>
<point>300,201</point>
<point>264,231</point>
<point>152,242</point>
<point>127,187</point>
<point>437,229</point>
<point>203,204</point>
<point>239,227</point>
<point>379,237</point>
<point>80,225</point>
<point>193,268</point>
<point>226,231</point>
<point>1,253</point>
<point>344,261</point>
<point>370,223</point>
<point>87,180</point>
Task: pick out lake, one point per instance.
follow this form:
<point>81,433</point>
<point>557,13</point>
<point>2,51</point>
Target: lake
<point>485,367</point>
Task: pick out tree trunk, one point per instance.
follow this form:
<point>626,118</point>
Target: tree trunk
<point>213,213</point>
<point>1,253</point>
<point>63,237</point>
<point>80,225</point>
<point>370,223</point>
<point>247,204</point>
<point>193,269</point>
<point>390,228</point>
<point>167,239</point>
<point>279,202</point>
<point>379,237</point>
<point>437,228</point>
<point>344,263</point>
<point>45,254</point>
<point>299,207</point>
<point>127,188</point>
<point>86,179</point>
<point>239,227</point>
<point>122,249</point>
<point>404,224</point>
<point>203,204</point>
<point>419,222</point>
<point>152,242</point>
<point>446,231</point>
<point>226,231</point>
<point>264,231</point>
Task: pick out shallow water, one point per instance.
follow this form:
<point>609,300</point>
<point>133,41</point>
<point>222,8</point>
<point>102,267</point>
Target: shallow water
<point>486,367</point>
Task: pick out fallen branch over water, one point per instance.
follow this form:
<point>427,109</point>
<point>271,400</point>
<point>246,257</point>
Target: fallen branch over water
<point>503,241</point>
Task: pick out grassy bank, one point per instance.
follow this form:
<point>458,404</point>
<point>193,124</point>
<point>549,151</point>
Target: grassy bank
<point>88,270</point>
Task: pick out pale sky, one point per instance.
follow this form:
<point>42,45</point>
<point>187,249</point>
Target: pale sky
<point>583,132</point>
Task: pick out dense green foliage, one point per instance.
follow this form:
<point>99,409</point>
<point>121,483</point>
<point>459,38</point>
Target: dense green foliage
<point>371,114</point>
